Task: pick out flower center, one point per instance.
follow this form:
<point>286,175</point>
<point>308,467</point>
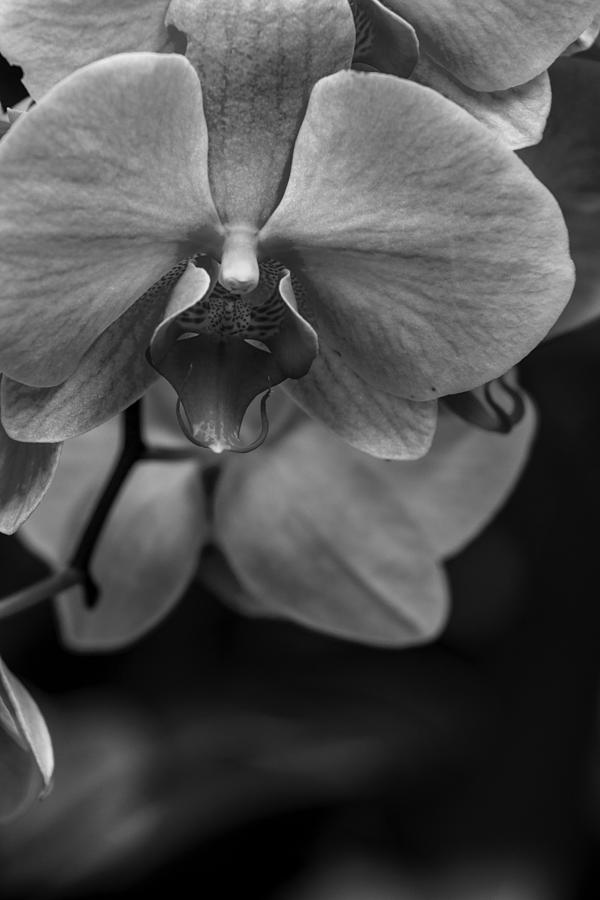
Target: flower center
<point>225,315</point>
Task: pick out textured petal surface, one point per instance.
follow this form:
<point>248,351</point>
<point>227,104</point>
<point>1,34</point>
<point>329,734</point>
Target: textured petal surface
<point>313,537</point>
<point>144,560</point>
<point>102,188</point>
<point>49,40</point>
<point>26,471</point>
<point>112,374</point>
<point>371,420</point>
<point>26,757</point>
<point>435,259</point>
<point>257,61</point>
<point>568,162</point>
<point>518,115</point>
<point>493,46</point>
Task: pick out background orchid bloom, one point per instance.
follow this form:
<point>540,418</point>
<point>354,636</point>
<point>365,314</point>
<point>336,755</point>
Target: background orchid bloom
<point>359,558</point>
<point>423,253</point>
<point>490,60</point>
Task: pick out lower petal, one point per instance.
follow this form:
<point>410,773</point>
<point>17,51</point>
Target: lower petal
<point>26,471</point>
<point>111,375</point>
<point>371,420</point>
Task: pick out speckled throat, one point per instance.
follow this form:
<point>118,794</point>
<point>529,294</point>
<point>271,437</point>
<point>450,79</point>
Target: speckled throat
<point>225,315</point>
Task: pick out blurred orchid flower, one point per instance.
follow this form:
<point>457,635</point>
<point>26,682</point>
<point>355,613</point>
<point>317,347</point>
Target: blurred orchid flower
<point>567,161</point>
<point>358,558</point>
<point>492,61</point>
<point>26,757</point>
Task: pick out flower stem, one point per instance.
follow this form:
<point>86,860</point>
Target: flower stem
<point>132,449</point>
<point>41,590</point>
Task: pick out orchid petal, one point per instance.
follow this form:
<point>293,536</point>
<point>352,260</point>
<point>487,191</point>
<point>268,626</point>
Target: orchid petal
<point>457,488</point>
<point>391,43</point>
<point>217,378</point>
<point>103,187</point>
<point>51,40</point>
<point>371,420</point>
<point>311,538</point>
<point>26,757</point>
<point>145,557</point>
<point>495,46</point>
<point>436,260</point>
<point>518,115</point>
<point>85,465</point>
<point>112,374</point>
<point>26,471</point>
<point>567,161</point>
<point>257,61</point>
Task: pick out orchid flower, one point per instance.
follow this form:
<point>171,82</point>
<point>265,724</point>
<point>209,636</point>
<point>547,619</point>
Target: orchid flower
<point>490,59</point>
<point>376,213</point>
<point>359,558</point>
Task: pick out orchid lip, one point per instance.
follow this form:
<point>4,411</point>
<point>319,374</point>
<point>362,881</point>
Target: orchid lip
<point>218,446</point>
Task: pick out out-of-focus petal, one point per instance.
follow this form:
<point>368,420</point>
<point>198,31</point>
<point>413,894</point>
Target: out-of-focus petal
<point>26,758</point>
<point>494,46</point>
<point>456,489</point>
<point>257,61</point>
<point>49,40</point>
<point>518,115</point>
<point>145,557</point>
<point>112,374</point>
<point>567,161</point>
<point>26,471</point>
<point>436,260</point>
<point>384,40</point>
<point>313,538</point>
<point>103,189</point>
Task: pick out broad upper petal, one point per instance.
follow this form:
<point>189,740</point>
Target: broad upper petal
<point>518,115</point>
<point>26,757</point>
<point>103,188</point>
<point>494,46</point>
<point>49,39</point>
<point>111,375</point>
<point>567,161</point>
<point>312,537</point>
<point>435,259</point>
<point>257,61</point>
